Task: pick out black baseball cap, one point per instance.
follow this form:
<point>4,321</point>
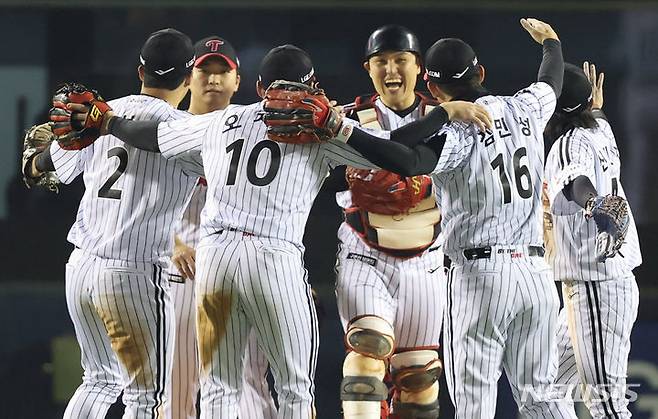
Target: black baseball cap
<point>449,61</point>
<point>214,46</point>
<point>286,62</point>
<point>576,90</point>
<point>167,53</point>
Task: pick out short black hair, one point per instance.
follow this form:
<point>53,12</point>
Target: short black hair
<point>169,83</point>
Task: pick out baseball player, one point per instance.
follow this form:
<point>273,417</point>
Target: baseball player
<point>250,271</point>
<point>389,264</point>
<point>117,297</point>
<point>214,80</point>
<point>501,303</point>
<point>599,291</point>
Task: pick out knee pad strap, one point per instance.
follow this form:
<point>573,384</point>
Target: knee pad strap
<point>415,410</point>
<point>415,371</point>
<point>355,388</point>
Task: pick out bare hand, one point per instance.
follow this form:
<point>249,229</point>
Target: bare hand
<point>79,114</point>
<point>184,260</point>
<point>597,84</point>
<point>469,113</point>
<point>540,31</point>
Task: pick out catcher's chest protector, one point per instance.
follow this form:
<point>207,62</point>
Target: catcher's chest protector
<point>396,215</point>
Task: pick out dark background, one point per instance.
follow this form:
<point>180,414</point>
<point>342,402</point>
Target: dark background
<point>44,44</point>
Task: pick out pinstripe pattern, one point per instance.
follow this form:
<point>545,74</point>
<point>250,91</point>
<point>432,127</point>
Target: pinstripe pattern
<point>153,191</point>
<point>239,287</point>
<point>407,293</point>
<point>256,401</point>
<point>601,299</point>
<point>603,313</point>
<point>472,195</point>
<point>403,292</point>
<point>501,311</point>
<point>132,198</point>
<point>126,342</point>
<point>238,282</point>
<point>513,329</point>
<point>567,374</point>
<point>592,153</point>
<point>278,209</point>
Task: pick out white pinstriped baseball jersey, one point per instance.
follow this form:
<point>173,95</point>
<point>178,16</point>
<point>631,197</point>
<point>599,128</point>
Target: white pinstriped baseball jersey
<point>254,184</point>
<point>592,153</point>
<point>491,182</point>
<point>132,197</point>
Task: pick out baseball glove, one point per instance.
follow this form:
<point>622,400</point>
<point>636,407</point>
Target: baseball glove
<point>37,138</point>
<point>299,114</point>
<point>73,134</point>
<point>386,193</point>
<point>610,213</point>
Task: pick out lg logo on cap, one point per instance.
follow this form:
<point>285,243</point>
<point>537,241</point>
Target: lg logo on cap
<point>214,44</point>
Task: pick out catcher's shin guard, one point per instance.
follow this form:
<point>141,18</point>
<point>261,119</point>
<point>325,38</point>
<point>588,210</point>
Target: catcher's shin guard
<point>415,376</point>
<point>362,390</point>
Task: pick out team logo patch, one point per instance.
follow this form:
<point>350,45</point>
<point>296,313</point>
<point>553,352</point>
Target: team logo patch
<point>214,44</point>
<point>362,258</point>
<point>95,113</point>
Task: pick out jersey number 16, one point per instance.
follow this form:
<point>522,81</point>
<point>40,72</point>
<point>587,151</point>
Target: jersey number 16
<point>522,178</point>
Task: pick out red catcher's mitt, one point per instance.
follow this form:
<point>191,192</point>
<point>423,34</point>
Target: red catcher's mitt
<point>71,134</point>
<point>299,114</point>
<point>386,193</point>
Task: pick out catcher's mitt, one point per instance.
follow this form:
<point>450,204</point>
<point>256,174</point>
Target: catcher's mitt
<point>386,193</point>
<point>297,113</point>
<point>610,213</point>
<point>37,138</point>
<point>73,134</point>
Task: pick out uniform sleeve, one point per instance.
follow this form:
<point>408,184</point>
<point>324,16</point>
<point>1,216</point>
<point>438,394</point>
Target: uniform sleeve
<point>540,99</point>
<point>180,138</point>
<point>456,150</point>
<point>570,157</point>
<point>340,153</point>
<point>69,163</point>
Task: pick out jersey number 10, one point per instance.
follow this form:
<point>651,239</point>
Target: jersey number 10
<point>275,161</point>
<point>521,175</point>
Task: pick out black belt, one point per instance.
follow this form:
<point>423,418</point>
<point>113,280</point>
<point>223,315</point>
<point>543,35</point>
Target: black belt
<point>485,252</point>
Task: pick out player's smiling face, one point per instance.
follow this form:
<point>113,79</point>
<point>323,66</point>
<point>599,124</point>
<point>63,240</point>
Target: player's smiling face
<point>394,75</point>
<point>213,83</point>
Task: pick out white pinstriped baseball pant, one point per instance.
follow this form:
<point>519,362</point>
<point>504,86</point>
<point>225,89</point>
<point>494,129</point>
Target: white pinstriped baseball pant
<point>594,333</point>
<point>124,321</point>
<point>501,314</point>
<point>244,283</point>
<point>256,401</point>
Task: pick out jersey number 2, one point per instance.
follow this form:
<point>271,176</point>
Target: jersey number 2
<point>275,161</point>
<point>106,190</point>
<point>521,175</point>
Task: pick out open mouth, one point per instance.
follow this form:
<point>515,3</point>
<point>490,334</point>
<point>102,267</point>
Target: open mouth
<point>393,84</point>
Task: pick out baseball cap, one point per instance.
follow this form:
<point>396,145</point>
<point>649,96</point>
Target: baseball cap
<point>167,53</point>
<point>576,90</point>
<point>286,62</point>
<point>214,46</point>
<point>450,60</point>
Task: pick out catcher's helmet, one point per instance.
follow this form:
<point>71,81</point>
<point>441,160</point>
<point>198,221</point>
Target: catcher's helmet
<point>392,38</point>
